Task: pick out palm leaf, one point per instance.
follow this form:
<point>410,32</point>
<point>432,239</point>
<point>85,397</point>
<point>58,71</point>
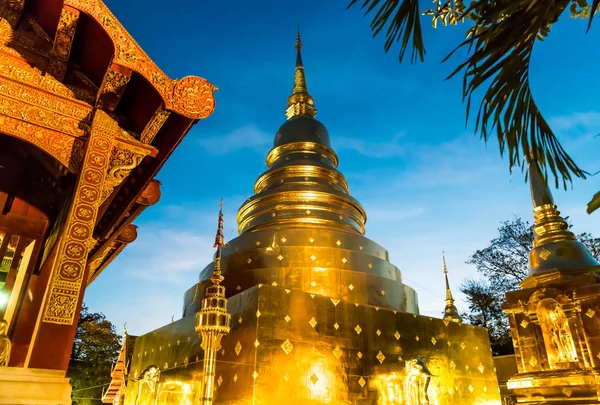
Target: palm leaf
<point>403,21</point>
<point>593,10</point>
<point>499,49</point>
<point>594,204</point>
<point>498,64</point>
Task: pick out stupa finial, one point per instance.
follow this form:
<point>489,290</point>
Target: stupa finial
<point>555,247</point>
<point>450,311</point>
<point>300,102</point>
<point>219,243</point>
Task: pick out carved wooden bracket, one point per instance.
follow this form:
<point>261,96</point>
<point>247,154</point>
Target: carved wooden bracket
<point>154,125</point>
<point>113,86</point>
<point>63,41</point>
<point>124,158</point>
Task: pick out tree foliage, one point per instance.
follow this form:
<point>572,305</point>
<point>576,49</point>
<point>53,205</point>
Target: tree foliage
<point>502,265</point>
<point>94,352</point>
<point>485,311</point>
<point>500,36</point>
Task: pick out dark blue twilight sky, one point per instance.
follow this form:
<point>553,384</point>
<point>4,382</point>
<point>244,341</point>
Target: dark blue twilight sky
<point>427,183</point>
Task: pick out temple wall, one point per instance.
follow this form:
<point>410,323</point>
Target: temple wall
<point>298,347</point>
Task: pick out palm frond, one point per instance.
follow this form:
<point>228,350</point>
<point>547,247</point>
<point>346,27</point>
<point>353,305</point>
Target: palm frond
<point>594,204</point>
<point>499,55</point>
<point>593,10</point>
<point>402,18</point>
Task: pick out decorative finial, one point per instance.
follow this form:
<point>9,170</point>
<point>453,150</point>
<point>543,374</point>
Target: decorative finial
<point>219,243</point>
<point>450,311</point>
<point>445,267</point>
<point>300,102</point>
<point>172,318</point>
<point>298,40</point>
<point>125,329</point>
<point>554,246</point>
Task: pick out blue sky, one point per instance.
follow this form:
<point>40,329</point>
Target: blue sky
<point>427,183</point>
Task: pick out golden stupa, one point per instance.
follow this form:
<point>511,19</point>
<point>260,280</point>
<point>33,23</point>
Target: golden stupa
<point>318,313</point>
<point>555,316</point>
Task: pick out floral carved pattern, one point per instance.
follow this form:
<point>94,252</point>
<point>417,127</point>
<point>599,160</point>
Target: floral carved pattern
<point>65,33</point>
<point>67,280</point>
<point>123,159</point>
<point>155,124</point>
<point>42,117</point>
<point>66,149</point>
<point>23,84</point>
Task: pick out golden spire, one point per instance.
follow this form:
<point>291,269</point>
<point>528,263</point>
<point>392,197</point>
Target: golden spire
<point>212,321</point>
<point>219,243</point>
<point>450,311</point>
<point>554,246</point>
<point>300,102</point>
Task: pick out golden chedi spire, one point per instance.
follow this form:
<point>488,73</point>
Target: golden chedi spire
<point>300,102</point>
<point>302,230</point>
<point>450,311</point>
<point>555,248</point>
<point>213,320</point>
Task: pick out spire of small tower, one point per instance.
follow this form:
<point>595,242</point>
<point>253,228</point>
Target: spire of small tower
<point>212,321</point>
<point>554,246</point>
<point>219,243</point>
<point>300,102</point>
<point>450,311</point>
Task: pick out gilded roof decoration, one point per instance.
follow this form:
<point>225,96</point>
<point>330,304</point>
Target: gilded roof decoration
<point>190,96</point>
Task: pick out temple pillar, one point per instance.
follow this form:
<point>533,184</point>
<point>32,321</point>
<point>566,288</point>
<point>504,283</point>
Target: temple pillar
<point>42,379</point>
<point>57,321</point>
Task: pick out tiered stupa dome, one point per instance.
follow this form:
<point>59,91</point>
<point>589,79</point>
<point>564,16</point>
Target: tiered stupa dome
<point>302,230</point>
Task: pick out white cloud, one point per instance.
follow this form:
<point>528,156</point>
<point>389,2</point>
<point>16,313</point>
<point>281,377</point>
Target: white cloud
<point>167,255</point>
<point>375,149</point>
<point>576,120</point>
<point>246,137</point>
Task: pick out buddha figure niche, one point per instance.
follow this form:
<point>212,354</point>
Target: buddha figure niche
<point>558,338</point>
<point>416,382</point>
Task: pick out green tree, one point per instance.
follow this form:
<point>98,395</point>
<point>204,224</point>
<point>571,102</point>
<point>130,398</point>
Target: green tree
<point>95,350</point>
<point>485,311</point>
<point>503,264</point>
<point>500,36</point>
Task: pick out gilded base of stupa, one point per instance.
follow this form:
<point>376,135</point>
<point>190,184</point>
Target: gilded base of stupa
<point>295,347</point>
<point>556,334</point>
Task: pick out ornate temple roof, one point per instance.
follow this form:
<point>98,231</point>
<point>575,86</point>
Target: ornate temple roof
<point>63,60</point>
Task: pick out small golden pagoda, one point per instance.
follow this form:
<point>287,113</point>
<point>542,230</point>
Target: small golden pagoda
<point>318,313</point>
<point>450,311</point>
<point>555,316</point>
<point>213,320</point>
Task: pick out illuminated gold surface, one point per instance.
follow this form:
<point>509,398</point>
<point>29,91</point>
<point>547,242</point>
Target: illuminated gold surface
<point>267,359</point>
<point>5,344</point>
<point>319,314</point>
<point>554,318</point>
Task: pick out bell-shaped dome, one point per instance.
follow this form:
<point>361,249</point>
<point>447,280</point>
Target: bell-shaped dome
<point>302,129</point>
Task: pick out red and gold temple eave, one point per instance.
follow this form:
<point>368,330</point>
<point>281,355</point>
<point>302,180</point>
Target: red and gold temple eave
<point>61,62</point>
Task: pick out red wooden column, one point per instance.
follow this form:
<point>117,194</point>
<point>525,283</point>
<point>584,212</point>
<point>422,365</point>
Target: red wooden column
<point>57,320</point>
